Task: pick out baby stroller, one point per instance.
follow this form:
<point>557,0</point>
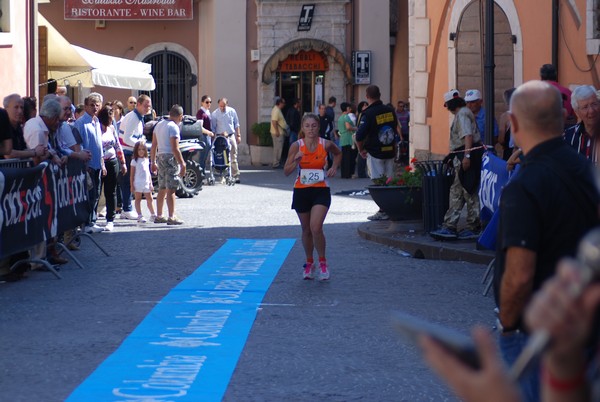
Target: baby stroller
<point>221,164</point>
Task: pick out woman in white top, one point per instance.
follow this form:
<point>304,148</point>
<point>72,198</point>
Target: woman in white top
<point>114,161</point>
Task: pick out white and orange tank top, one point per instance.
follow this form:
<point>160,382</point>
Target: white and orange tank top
<point>311,169</point>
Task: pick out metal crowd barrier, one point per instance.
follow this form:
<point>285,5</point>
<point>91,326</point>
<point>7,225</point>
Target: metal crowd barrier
<point>28,163</point>
<point>16,163</point>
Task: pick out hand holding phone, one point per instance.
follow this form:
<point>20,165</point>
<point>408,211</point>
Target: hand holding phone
<point>412,327</point>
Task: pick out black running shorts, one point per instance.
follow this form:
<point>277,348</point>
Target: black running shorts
<point>305,198</point>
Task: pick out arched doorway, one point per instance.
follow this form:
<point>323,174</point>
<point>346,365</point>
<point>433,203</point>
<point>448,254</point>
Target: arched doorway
<point>470,44</point>
<point>174,81</point>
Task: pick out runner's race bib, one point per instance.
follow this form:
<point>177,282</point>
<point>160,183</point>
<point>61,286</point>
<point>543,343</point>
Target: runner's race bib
<point>311,176</point>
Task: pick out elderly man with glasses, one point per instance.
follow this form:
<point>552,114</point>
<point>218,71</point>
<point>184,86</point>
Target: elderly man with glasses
<point>583,136</point>
<point>131,103</point>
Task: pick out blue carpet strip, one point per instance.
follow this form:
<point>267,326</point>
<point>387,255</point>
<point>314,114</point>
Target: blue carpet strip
<point>187,348</point>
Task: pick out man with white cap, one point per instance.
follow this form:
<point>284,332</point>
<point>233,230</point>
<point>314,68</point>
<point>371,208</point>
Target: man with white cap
<point>464,135</point>
<point>474,102</point>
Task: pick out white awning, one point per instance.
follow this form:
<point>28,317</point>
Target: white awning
<point>116,72</point>
<point>75,63</point>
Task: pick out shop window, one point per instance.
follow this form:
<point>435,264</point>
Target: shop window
<point>593,27</point>
<point>596,17</point>
<point>6,37</point>
<point>4,16</point>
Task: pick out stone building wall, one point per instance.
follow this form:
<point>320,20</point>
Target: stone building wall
<point>277,24</point>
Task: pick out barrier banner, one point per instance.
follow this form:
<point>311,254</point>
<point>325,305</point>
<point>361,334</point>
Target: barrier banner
<point>40,202</point>
<point>493,178</point>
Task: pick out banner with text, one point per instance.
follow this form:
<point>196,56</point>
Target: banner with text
<point>40,202</point>
<point>494,177</point>
<point>128,10</point>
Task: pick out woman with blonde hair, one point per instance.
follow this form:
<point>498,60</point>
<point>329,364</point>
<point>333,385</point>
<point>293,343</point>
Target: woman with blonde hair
<point>312,197</point>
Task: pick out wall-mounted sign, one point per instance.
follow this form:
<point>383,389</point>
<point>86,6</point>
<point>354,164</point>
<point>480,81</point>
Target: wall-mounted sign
<point>304,61</point>
<point>306,16</point>
<point>128,10</point>
<point>362,67</point>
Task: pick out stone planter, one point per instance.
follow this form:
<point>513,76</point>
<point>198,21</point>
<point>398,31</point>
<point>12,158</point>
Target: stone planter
<point>261,156</point>
<point>401,203</point>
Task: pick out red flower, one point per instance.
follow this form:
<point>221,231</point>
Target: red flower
<point>413,160</point>
<point>408,168</point>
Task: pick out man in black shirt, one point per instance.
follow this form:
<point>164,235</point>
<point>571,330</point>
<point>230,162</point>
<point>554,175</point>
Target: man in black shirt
<point>5,138</point>
<point>324,123</point>
<point>13,104</point>
<point>330,112</point>
<point>293,119</point>
<point>545,209</point>
<point>376,139</point>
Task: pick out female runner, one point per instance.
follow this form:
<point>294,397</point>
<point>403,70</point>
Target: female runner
<point>312,198</point>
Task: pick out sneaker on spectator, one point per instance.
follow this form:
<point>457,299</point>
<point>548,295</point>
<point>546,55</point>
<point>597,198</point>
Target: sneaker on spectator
<point>444,234</point>
<point>467,234</point>
<point>56,259</point>
<point>379,216</point>
<point>93,229</point>
<point>323,271</point>
<point>152,218</point>
<point>174,221</point>
<point>309,271</point>
<point>109,227</point>
<point>141,219</point>
<point>128,215</point>
<point>160,219</point>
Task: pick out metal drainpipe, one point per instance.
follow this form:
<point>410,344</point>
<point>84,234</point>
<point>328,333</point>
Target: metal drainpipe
<point>489,73</point>
<point>32,44</point>
<point>555,34</point>
<point>354,95</point>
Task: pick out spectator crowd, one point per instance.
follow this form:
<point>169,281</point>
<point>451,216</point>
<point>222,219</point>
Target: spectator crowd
<point>545,210</point>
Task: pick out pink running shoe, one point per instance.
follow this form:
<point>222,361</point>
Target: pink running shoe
<point>323,271</point>
<point>309,271</point>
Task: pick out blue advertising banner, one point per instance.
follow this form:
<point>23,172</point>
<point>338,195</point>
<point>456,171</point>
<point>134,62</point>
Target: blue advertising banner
<point>494,177</point>
<point>187,348</point>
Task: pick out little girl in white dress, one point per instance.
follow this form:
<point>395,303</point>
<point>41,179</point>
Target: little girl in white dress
<point>141,180</point>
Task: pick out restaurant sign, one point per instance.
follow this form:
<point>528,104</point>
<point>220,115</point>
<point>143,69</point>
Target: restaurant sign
<point>128,10</point>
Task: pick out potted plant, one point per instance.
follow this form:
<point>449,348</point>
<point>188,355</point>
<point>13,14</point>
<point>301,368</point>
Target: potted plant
<point>401,196</point>
<point>261,153</point>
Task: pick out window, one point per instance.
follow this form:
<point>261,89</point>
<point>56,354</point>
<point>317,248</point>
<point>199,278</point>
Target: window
<point>6,22</point>
<point>593,27</point>
<point>596,18</point>
<point>4,16</point>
